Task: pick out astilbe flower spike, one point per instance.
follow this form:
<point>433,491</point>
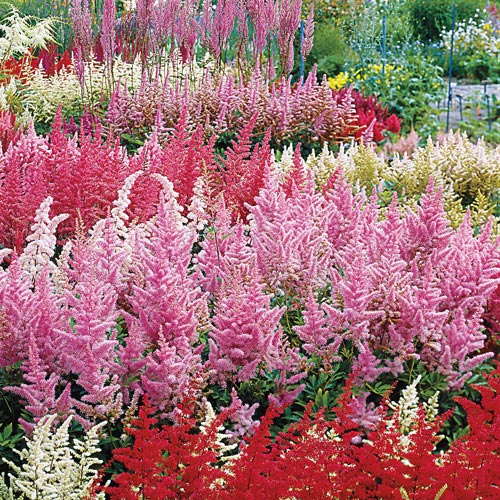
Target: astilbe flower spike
<point>290,237</point>
<point>245,331</point>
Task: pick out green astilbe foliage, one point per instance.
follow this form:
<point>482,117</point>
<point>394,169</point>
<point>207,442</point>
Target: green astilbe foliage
<point>52,467</point>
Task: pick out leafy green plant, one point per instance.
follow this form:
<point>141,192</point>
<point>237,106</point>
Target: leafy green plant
<point>430,17</point>
<point>399,85</point>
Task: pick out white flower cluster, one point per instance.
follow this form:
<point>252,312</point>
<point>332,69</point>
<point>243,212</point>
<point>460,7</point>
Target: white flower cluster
<point>406,410</point>
<point>20,33</point>
<point>474,35</point>
<point>53,469</point>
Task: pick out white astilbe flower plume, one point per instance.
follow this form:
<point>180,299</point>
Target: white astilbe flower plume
<point>52,469</point>
<point>42,241</point>
<point>197,210</point>
<point>221,446</point>
<point>407,407</point>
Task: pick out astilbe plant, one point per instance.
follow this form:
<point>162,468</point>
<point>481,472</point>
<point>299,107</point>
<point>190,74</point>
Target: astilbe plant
<point>53,466</point>
<point>174,461</point>
<point>315,457</point>
<point>289,234</point>
<point>82,179</point>
<point>300,112</point>
<point>373,119</point>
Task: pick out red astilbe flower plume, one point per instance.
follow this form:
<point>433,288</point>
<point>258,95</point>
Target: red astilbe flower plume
<point>9,132</point>
<point>472,464</point>
<point>174,461</point>
<point>83,179</point>
<point>372,118</point>
<point>181,158</point>
<point>242,171</point>
<point>23,186</point>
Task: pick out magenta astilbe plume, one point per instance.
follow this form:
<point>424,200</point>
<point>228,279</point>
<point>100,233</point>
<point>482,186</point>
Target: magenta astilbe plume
<point>9,132</point>
<point>243,171</point>
<point>264,17</point>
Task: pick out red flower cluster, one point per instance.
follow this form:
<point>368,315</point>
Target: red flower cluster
<point>314,458</point>
<point>48,58</point>
<point>373,119</point>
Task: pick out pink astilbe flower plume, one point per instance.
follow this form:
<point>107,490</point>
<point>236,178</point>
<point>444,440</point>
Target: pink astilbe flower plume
<point>245,333</point>
<point>307,41</point>
<point>82,36</point>
<point>89,335</point>
<point>40,388</point>
<point>290,237</point>
<point>108,31</point>
<point>168,300</point>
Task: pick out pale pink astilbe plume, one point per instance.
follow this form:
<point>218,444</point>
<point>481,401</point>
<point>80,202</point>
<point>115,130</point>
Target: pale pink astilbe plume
<point>41,242</point>
<point>319,334</point>
<point>222,237</point>
<point>428,229</point>
<point>410,287</point>
<point>245,336</point>
<point>345,224</point>
<point>40,388</point>
<point>171,373</point>
<point>307,41</point>
<point>120,205</point>
<point>167,299</point>
<point>469,276</point>
<point>366,366</point>
<point>240,416</point>
<point>133,360</point>
<point>365,415</point>
<point>290,237</point>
